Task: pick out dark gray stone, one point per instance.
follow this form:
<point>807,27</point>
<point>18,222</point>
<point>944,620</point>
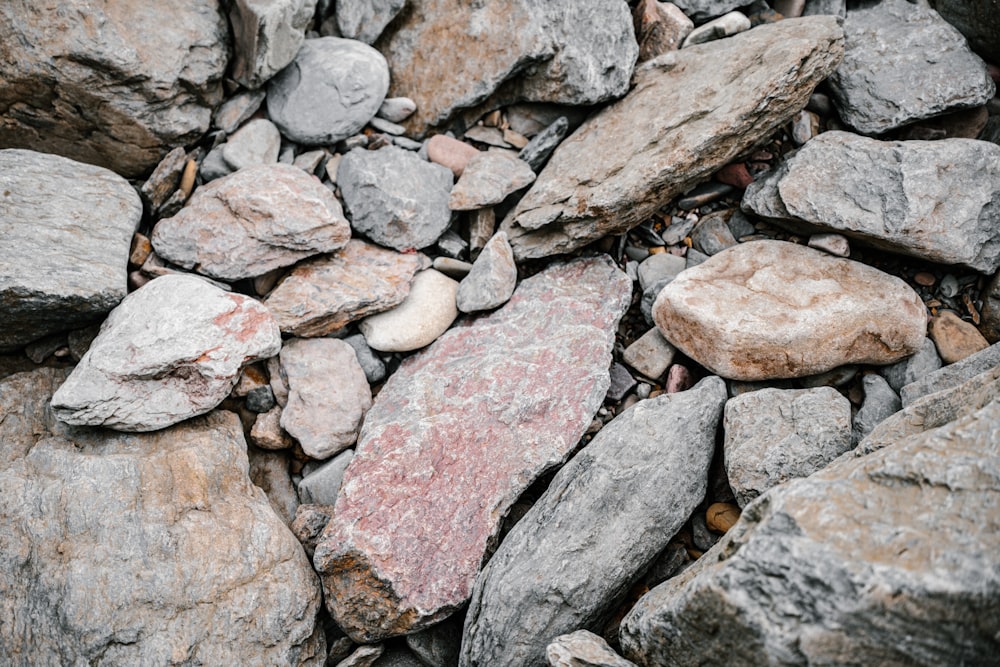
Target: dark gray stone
<point>622,382</point>
<point>701,11</point>
<point>831,7</point>
<point>536,153</point>
<point>491,280</point>
<point>712,235</point>
<point>321,486</point>
<point>880,403</point>
<point>924,362</point>
<point>978,20</point>
<point>373,367</point>
<point>437,646</point>
<point>951,375</point>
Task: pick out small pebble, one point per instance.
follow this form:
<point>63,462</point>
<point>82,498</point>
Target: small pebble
<point>924,278</point>
<point>141,249</point>
<point>650,355</point>
<point>724,26</point>
<point>949,286</point>
<point>450,153</point>
<point>678,379</point>
<point>383,125</point>
<point>451,267</point>
<point>720,517</point>
<point>704,194</point>
<point>419,320</point>
<point>490,136</point>
<point>835,244</point>
<point>735,174</point>
<point>955,338</point>
<point>396,109</point>
<point>257,142</point>
<point>712,235</point>
<point>805,126</point>
<point>622,382</point>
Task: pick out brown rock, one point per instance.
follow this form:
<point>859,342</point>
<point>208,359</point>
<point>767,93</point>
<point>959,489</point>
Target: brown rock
<point>267,432</point>
<point>308,525</point>
<point>164,179</point>
<point>720,517</point>
<point>659,27</point>
<point>955,338</point>
<point>451,153</point>
<point>735,174</point>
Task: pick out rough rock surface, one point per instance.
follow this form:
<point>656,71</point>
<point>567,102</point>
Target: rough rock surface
<point>492,279</point>
<point>955,338</point>
<point>911,369</point>
<point>170,351</point>
<point>602,521</point>
<point>321,486</point>
<point>426,313</point>
<point>116,84</point>
<point>267,35</point>
<point>659,27</point>
<point>365,20</point>
<point>951,375</point>
<point>701,11</point>
<point>583,649</point>
<point>46,203</point>
<point>651,152</point>
<point>978,20</point>
<point>257,142</point>
<point>880,403</point>
<point>487,180</point>
<point>253,221</point>
<point>142,549</point>
<point>459,454</point>
<point>772,309</point>
<point>937,200</point>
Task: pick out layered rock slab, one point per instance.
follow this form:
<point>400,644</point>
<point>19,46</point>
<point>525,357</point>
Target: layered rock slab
<point>142,549</point>
<point>602,521</point>
<point>449,446</point>
<point>771,309</point>
<point>651,151</point>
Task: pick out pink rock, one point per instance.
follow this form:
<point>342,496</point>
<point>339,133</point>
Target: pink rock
<point>450,153</point>
<point>678,379</point>
<point>735,174</point>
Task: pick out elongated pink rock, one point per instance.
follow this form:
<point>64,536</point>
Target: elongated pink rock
<point>453,439</point>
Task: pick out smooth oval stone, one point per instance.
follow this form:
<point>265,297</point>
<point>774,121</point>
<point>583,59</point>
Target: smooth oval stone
<point>425,314</point>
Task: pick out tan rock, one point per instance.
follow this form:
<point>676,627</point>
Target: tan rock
<point>659,27</point>
<point>955,338</point>
<point>720,517</point>
<point>451,153</point>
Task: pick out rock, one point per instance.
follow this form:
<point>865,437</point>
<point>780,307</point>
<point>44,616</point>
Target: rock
<point>735,174</point>
<point>951,375</point>
<point>649,297</point>
<point>651,355</point>
<point>622,382</point>
<point>438,645</point>
<point>260,400</point>
<point>269,472</point>
<point>426,313</point>
<point>115,85</point>
<point>772,309</point>
<point>329,92</point>
<point>324,294</point>
<point>701,11</point>
<point>170,351</point>
<point>487,180</point>
<point>214,165</point>
<point>397,109</point>
<point>308,525</point>
<point>940,198</point>
<point>253,221</point>
<point>820,7</point>
<point>712,235</point>
<point>774,435</point>
<point>373,367</point>
<point>267,36</point>
<point>537,151</point>
<point>583,649</point>
<point>363,656</point>
<point>450,152</point>
<point>492,279</point>
<point>990,312</point>
<point>321,486</point>
<point>453,268</point>
<point>835,244</point>
<point>805,126</point>
<point>657,268</point>
<point>720,28</point>
<point>978,20</point>
<point>467,441</point>
<point>880,402</point>
<point>720,517</point>
<point>679,378</point>
<point>857,545</point>
<point>659,27</point>
<point>267,433</point>
<point>328,395</point>
<point>257,142</point>
<point>902,63</point>
<point>66,230</point>
<point>604,518</point>
<point>924,362</point>
<point>238,109</point>
<point>577,199</point>
<point>395,198</point>
<point>164,179</point>
<point>954,338</point>
<point>142,549</point>
<point>365,20</point>
<point>789,8</point>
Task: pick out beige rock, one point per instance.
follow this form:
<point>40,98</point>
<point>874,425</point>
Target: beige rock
<point>425,314</point>
<point>487,180</point>
<point>450,153</point>
<point>955,338</point>
<point>267,432</point>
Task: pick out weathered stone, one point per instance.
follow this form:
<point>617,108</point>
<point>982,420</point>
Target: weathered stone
<point>771,309</point>
<point>466,440</point>
<point>394,197</point>
<point>492,279</point>
<point>650,151</point>
<point>702,11</point>
<point>602,521</point>
<point>774,435</point>
<point>66,228</point>
<point>257,142</point>
<point>164,179</point>
<point>438,645</point>
<point>397,109</point>
<point>365,20</point>
<point>268,34</point>
<point>880,403</point>
<point>951,375</point>
<point>659,27</point>
<point>660,267</point>
<point>651,355</point>
<point>726,25</point>
<point>537,151</point>
<point>583,649</point>
<point>954,338</point>
<point>237,110</point>
<point>426,313</point>
<point>712,235</point>
<point>329,92</point>
<point>720,517</point>
<point>835,244</point>
<point>267,433</point>
<point>170,351</point>
<point>253,221</point>
<point>321,486</point>
<point>142,549</point>
<point>111,84</point>
<point>308,525</point>
<point>363,656</point>
<point>269,472</point>
<point>450,152</point>
<point>937,200</point>
<point>978,20</point>
<point>820,7</point>
<point>371,364</point>
<point>911,369</point>
<point>903,62</point>
<point>487,180</point>
<point>990,312</point>
<point>622,382</point>
<point>214,165</point>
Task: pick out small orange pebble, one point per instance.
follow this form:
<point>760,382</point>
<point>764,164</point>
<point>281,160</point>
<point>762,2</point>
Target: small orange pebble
<point>720,517</point>
<point>924,278</point>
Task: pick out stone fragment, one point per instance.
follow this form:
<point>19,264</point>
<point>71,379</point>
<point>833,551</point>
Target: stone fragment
<point>365,20</point>
<point>805,126</point>
<point>937,200</point>
<point>310,160</point>
<point>164,179</point>
<point>142,549</point>
<point>978,20</point>
<point>386,127</point>
<point>702,11</point>
<point>491,136</point>
<point>453,268</point>
<point>170,351</point>
<point>396,109</point>
<point>772,309</point>
<point>622,382</point>
<point>583,649</point>
<point>903,62</point>
<point>492,279</point>
<point>111,84</point>
<point>720,517</point>
<point>821,7</point>
<point>659,267</point>
<point>650,151</point>
<point>604,518</point>
<point>321,486</point>
<point>712,235</point>
<point>659,27</point>
<point>924,362</point>
<point>66,228</point>
<point>951,375</point>
<point>438,645</point>
<point>308,525</point>
<point>487,180</point>
<point>269,472</point>
<point>651,355</point>
<point>238,109</point>
<point>214,166</point>
<point>257,142</point>
<point>329,92</point>
<point>267,433</point>
<point>537,151</point>
<point>720,28</point>
<point>267,35</point>
<point>328,395</point>
<point>679,378</point>
<point>880,403</point>
<point>735,174</point>
<point>363,656</point>
<point>466,440</point>
<point>954,338</point>
<point>426,313</point>
<point>395,198</point>
<point>373,367</point>
<point>450,152</point>
<point>789,8</point>
<point>990,311</point>
<point>835,244</point>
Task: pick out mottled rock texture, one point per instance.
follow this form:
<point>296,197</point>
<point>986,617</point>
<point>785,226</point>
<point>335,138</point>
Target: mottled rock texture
<point>583,649</point>
<point>267,35</point>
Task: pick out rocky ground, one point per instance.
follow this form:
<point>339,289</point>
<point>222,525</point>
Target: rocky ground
<point>568,332</point>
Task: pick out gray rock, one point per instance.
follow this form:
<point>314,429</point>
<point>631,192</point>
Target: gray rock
<point>398,656</point>
<point>238,109</point>
<point>142,549</point>
<point>426,313</point>
<point>649,296</point>
<point>365,20</point>
<point>651,355</point>
<point>678,229</point>
<point>320,487</point>
<point>835,244</point>
<point>978,20</point>
<point>951,375</point>
<point>880,403</point>
<point>492,279</point>
<point>937,200</point>
<point>66,230</point>
<point>651,152</point>
<point>385,126</point>
<point>171,350</point>
<point>913,368</point>
<point>658,268</point>
<point>820,7</point>
<point>395,198</point>
<point>373,367</point>
<point>701,11</point>
<point>487,180</point>
<point>363,656</point>
<point>267,35</point>
<point>257,142</point>
<point>111,84</point>
<point>438,645</point>
<point>310,520</point>
<point>536,153</point>
<point>990,311</point>
<point>726,25</point>
<point>712,235</point>
<point>260,399</point>
<point>603,520</point>
<point>453,268</point>
<point>903,62</point>
<point>583,649</point>
<point>622,382</point>
<point>214,166</point>
<point>269,472</point>
<point>329,92</point>
<point>396,109</point>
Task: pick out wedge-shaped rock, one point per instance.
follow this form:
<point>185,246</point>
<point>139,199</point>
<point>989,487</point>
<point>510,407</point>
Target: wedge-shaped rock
<point>170,351</point>
<point>142,549</point>
<point>488,179</point>
<point>937,200</point>
<point>453,439</point>
<point>603,520</point>
<point>268,34</point>
<point>886,559</point>
<point>771,309</point>
<point>638,153</point>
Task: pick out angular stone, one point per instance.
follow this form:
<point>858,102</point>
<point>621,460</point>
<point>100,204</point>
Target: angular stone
<point>426,313</point>
<point>365,20</point>
<point>268,34</point>
<point>659,27</point>
<point>954,338</point>
<point>321,486</point>
<point>602,521</point>
<point>324,294</point>
<point>771,309</point>
<point>583,649</point>
<point>492,279</point>
<point>657,268</point>
<point>267,433</point>
<point>269,472</point>
<point>308,525</point>
<point>937,200</point>
<point>702,11</point>
<point>466,440</point>
<point>651,355</point>
<point>164,179</point>
<point>726,25</point>
<point>237,110</point>
<point>880,403</point>
<point>537,151</point>
<point>142,549</point>
<point>66,228</point>
<point>911,369</point>
<point>253,221</point>
<point>903,62</point>
<point>395,198</point>
<point>438,645</point>
<point>712,235</point>
<point>487,180</point>
<point>328,395</point>
<point>978,20</point>
<point>171,350</point>
<point>650,152</point>
<point>371,364</point>
<point>257,142</point>
<point>450,152</point>
<point>951,375</point>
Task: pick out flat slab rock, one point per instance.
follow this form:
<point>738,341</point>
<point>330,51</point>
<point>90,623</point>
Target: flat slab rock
<point>937,200</point>
<point>171,350</point>
<point>449,446</point>
<point>772,309</point>
<point>65,228</point>
<point>638,153</point>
